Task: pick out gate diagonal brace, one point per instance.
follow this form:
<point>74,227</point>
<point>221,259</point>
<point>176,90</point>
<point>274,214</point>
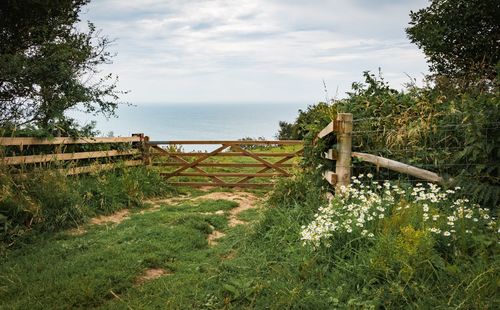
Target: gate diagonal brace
<point>284,159</point>
<point>265,162</point>
<point>216,179</point>
<point>182,160</point>
<point>268,164</point>
<point>199,160</point>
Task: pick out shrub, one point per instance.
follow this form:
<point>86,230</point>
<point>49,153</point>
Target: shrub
<point>451,133</point>
<point>303,187</point>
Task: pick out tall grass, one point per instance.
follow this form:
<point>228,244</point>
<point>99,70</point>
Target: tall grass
<point>47,201</point>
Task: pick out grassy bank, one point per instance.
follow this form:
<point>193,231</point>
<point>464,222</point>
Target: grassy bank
<point>47,201</point>
<point>261,265</point>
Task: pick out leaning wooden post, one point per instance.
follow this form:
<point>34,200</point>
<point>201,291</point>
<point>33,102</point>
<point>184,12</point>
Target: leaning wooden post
<point>344,146</point>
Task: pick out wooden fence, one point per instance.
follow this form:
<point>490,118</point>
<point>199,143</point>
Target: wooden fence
<point>256,167</point>
<point>342,126</point>
<point>250,163</point>
<point>248,167</point>
<point>81,162</point>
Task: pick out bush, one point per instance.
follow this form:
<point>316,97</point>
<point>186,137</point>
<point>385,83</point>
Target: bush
<point>60,203</point>
<point>451,133</point>
<point>289,192</point>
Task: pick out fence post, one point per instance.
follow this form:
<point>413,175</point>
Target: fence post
<point>344,146</point>
<point>143,147</point>
<point>146,151</point>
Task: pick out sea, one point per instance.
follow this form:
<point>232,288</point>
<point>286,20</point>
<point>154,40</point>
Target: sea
<point>196,121</point>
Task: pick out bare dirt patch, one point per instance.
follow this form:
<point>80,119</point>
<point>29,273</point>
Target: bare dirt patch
<point>245,200</point>
<point>152,274</point>
<point>115,218</point>
<point>205,188</point>
<point>212,238</point>
<point>230,255</point>
<point>218,212</point>
<point>78,231</point>
<point>156,203</point>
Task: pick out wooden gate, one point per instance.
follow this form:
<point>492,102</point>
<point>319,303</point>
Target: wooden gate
<point>231,164</point>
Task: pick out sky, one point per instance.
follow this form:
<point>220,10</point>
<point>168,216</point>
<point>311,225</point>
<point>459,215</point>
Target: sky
<point>254,51</point>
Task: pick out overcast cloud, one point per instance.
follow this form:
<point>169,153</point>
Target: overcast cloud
<point>254,50</point>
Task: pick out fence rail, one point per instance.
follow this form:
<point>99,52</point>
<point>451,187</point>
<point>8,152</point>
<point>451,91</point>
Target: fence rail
<point>226,142</point>
<point>31,159</point>
<point>127,149</point>
<point>64,140</point>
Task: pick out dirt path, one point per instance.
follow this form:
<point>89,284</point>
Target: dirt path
<point>245,200</point>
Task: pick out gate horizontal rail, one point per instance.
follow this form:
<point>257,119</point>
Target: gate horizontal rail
<point>229,142</point>
<point>232,165</point>
<point>225,154</point>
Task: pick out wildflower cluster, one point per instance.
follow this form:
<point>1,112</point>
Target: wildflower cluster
<point>360,208</point>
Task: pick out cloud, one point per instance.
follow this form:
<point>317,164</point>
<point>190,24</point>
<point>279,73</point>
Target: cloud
<point>244,51</point>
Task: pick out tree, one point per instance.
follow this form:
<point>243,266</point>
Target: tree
<point>48,65</point>
<point>461,38</point>
<point>286,131</point>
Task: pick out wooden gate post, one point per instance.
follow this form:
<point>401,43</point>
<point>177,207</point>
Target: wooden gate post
<point>146,151</point>
<point>143,147</point>
<point>344,147</point>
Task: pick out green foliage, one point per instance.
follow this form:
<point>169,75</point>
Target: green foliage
<point>309,120</point>
<point>459,37</point>
<point>416,250</point>
<point>285,132</point>
<point>306,127</point>
<point>66,271</point>
<point>250,146</point>
<point>60,203</point>
<point>289,192</point>
<point>67,128</point>
<point>255,266</point>
<point>453,134</point>
<point>48,201</point>
<point>47,65</point>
